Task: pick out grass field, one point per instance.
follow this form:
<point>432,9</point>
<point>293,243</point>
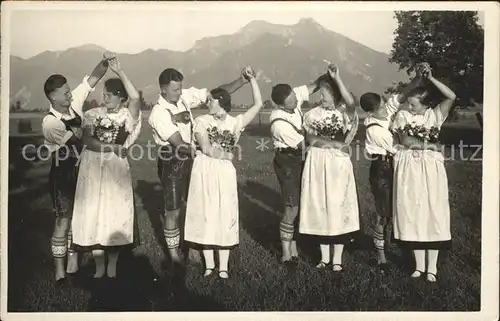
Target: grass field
<point>257,282</point>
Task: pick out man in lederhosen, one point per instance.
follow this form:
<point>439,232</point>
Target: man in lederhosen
<point>172,122</point>
<point>380,146</point>
<point>288,139</point>
<point>62,138</point>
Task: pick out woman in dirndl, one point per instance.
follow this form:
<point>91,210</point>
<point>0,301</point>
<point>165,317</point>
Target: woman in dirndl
<point>421,211</point>
<point>104,219</point>
<point>212,213</point>
<point>329,201</point>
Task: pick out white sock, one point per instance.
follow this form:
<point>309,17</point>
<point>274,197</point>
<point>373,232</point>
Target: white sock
<point>325,252</point>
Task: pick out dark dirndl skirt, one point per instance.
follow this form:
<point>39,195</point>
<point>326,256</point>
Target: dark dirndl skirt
<point>288,165</point>
<point>174,172</point>
<point>63,176</point>
<point>381,181</point>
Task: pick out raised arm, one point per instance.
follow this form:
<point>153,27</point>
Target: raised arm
<point>449,95</point>
<point>134,105</point>
<point>346,95</point>
<point>314,86</point>
<point>237,83</point>
<point>100,70</point>
<point>250,114</point>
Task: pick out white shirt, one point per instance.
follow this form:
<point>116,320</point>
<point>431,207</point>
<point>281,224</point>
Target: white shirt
<point>282,133</point>
<point>379,139</point>
<point>54,131</point>
<point>161,120</point>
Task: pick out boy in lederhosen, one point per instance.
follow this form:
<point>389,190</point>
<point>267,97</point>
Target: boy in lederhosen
<point>380,147</point>
<point>62,138</point>
<point>288,138</point>
<point>172,122</point>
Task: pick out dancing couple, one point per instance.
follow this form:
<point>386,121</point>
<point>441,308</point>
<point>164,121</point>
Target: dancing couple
<point>90,182</point>
<point>319,194</point>
<point>195,159</point>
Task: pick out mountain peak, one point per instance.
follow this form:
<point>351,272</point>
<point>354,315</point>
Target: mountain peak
<point>308,21</point>
<point>90,47</point>
<point>256,25</point>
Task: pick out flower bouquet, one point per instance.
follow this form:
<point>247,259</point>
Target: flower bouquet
<point>221,138</point>
<point>421,132</point>
<point>331,128</point>
<point>109,131</point>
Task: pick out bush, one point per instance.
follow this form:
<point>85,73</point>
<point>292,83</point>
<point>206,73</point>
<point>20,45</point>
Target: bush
<point>24,126</point>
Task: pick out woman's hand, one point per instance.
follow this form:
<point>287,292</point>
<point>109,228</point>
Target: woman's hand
<point>334,72</point>
<point>115,65</point>
<point>248,73</point>
<point>427,73</point>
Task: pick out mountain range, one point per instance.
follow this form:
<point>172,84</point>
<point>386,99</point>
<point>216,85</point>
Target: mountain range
<point>294,54</point>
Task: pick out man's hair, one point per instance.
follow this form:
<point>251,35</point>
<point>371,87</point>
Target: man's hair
<point>223,97</point>
<point>169,75</point>
<point>370,102</point>
<point>280,92</point>
<point>52,83</point>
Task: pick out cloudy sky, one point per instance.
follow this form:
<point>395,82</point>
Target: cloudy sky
<point>134,29</point>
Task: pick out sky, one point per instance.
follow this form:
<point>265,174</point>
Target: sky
<point>132,31</point>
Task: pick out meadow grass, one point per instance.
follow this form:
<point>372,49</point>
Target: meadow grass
<point>257,280</point>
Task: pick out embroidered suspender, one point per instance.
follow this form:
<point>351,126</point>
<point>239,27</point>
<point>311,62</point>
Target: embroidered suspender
<point>75,122</point>
<point>299,131</point>
<point>186,117</point>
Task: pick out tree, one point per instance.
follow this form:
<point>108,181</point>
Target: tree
<point>452,42</point>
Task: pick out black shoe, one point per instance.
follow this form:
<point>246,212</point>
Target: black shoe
<point>61,283</point>
<point>291,263</point>
<point>384,268</point>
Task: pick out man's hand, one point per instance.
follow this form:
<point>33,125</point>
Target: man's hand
<point>108,55</point>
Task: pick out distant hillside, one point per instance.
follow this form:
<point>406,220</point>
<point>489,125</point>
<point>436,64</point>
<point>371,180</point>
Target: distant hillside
<point>293,54</point>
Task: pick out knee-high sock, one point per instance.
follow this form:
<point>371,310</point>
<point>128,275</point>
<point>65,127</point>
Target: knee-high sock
<point>59,247</point>
<point>286,232</point>
<point>172,237</point>
<point>378,240</point>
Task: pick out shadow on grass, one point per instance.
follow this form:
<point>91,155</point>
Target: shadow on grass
<point>27,228</point>
<point>151,195</point>
<point>139,288</point>
<point>260,207</point>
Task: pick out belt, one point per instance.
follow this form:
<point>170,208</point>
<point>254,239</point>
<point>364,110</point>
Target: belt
<point>381,157</point>
<point>289,150</point>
